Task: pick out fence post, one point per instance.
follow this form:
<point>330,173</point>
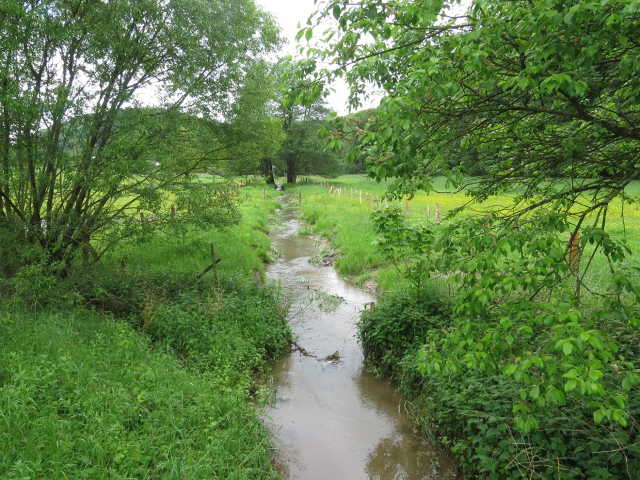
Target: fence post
<point>574,252</point>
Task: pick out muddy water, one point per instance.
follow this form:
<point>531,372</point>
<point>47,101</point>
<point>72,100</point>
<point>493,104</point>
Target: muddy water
<point>331,419</point>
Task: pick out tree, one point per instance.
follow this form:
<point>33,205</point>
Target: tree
<point>305,151</point>
<point>529,89</point>
<point>256,124</point>
<point>297,100</point>
<point>347,138</point>
<point>72,164</point>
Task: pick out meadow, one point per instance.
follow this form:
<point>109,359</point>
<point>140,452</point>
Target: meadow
<point>340,209</point>
<point>141,367</point>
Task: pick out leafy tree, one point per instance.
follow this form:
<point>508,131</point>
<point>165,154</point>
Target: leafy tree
<point>256,124</point>
<point>543,99</point>
<point>515,92</point>
<point>72,164</point>
<point>297,101</point>
<point>347,138</point>
<point>533,89</point>
<point>304,151</point>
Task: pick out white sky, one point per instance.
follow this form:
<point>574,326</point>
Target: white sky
<point>290,14</point>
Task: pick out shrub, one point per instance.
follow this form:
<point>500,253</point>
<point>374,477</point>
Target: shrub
<point>399,325</point>
<point>224,331</point>
<point>476,410</point>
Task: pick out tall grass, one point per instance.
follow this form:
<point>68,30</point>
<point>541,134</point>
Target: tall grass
<point>83,396</point>
<point>147,370</point>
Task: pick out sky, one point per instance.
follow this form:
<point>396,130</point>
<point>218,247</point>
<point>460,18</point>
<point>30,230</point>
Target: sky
<point>290,14</point>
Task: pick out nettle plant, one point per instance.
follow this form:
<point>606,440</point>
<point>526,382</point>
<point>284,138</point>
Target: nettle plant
<point>516,313</point>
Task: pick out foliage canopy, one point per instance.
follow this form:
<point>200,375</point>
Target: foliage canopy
<point>534,89</point>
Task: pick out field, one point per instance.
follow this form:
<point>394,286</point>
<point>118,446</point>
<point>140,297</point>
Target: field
<point>340,209</point>
<point>139,368</point>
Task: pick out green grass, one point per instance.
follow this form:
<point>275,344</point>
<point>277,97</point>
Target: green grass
<point>82,396</point>
<point>342,214</point>
<point>242,248</point>
<point>146,372</point>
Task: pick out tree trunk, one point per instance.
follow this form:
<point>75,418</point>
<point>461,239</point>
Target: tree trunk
<point>291,169</point>
<point>267,171</point>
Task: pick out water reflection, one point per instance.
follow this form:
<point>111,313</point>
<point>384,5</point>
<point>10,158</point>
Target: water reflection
<point>398,459</point>
<point>331,418</point>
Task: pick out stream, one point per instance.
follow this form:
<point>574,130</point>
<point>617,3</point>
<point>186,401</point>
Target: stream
<point>331,419</point>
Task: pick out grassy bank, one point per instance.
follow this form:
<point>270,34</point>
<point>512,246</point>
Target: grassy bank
<point>517,388</point>
<point>140,368</point>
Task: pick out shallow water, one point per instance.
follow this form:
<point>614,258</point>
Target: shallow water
<point>331,418</point>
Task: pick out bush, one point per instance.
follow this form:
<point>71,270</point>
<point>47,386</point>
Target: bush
<point>14,250</point>
<point>226,332</point>
<point>474,411</point>
<point>397,326</point>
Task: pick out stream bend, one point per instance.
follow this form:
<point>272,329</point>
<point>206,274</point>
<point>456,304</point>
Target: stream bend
<point>331,418</point>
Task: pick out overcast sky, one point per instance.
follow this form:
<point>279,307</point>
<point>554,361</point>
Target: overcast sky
<point>290,14</point>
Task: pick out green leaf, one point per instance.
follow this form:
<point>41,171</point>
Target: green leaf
<point>620,417</point>
<point>599,415</point>
<point>534,393</point>
<point>567,348</point>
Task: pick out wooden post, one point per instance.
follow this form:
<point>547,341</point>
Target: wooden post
<point>214,263</point>
<point>574,252</point>
<point>173,211</point>
<point>437,214</point>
